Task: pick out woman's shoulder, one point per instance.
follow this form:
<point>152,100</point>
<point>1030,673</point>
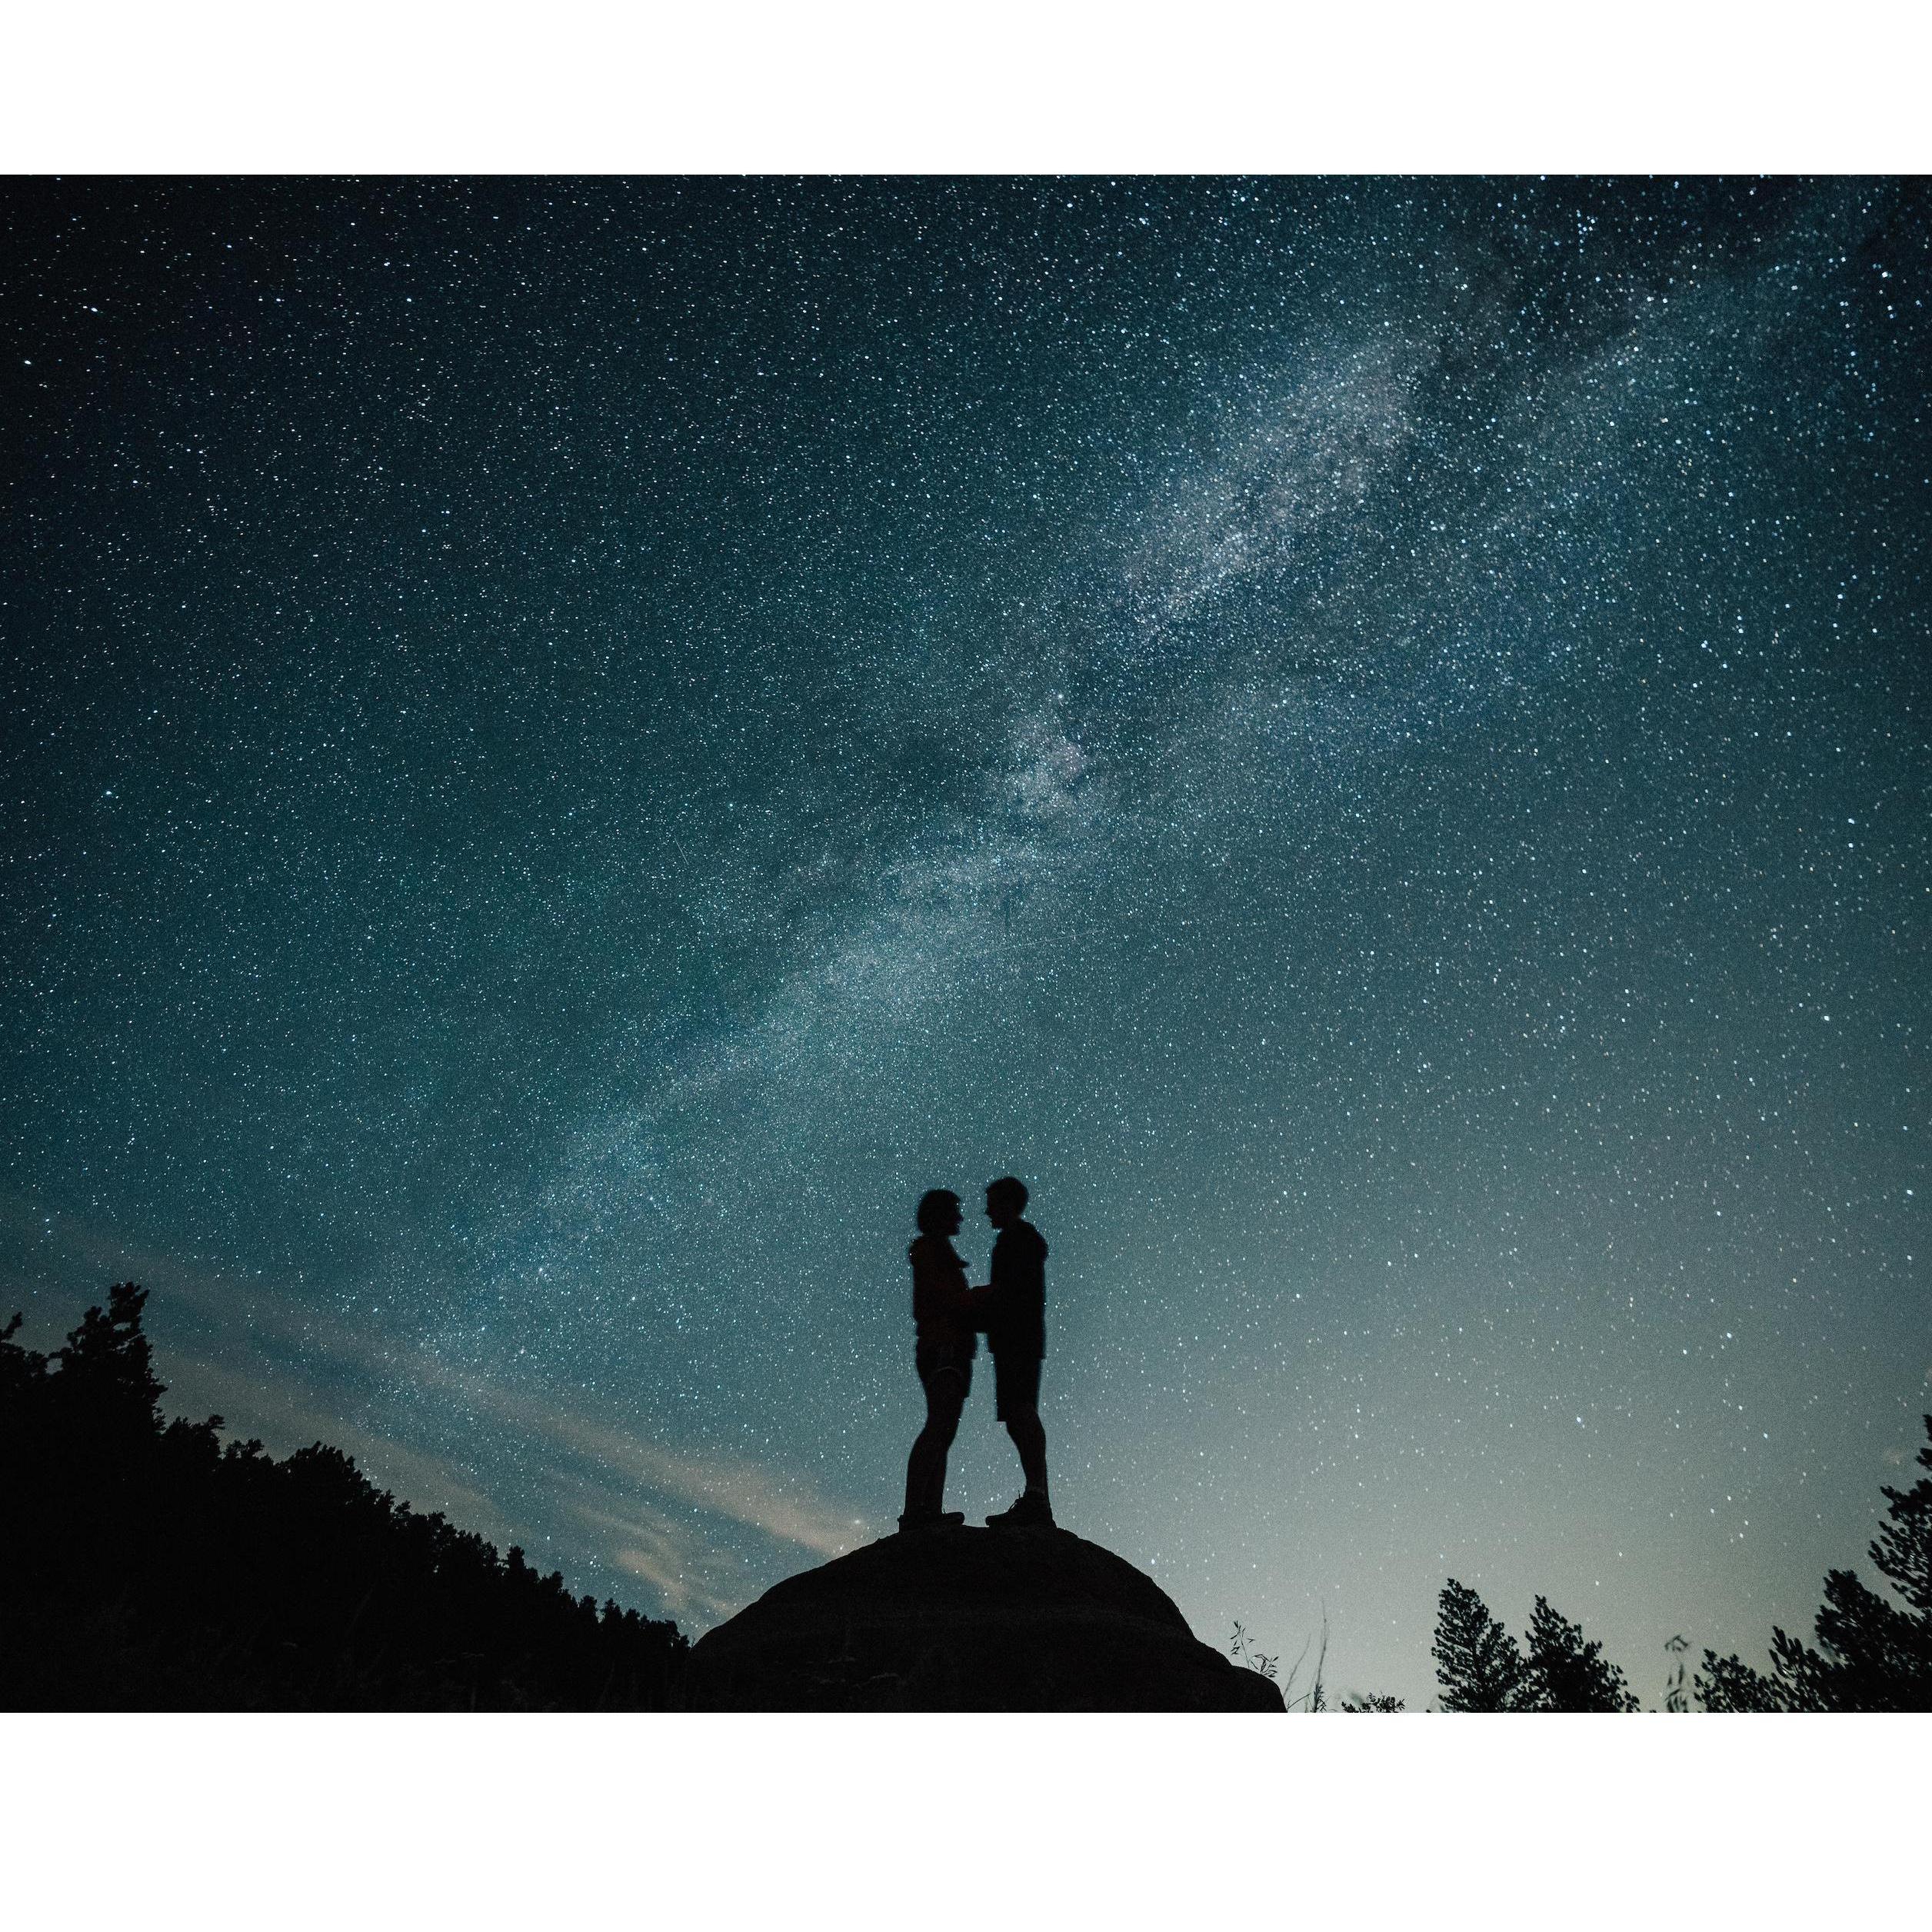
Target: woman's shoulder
<point>932,1251</point>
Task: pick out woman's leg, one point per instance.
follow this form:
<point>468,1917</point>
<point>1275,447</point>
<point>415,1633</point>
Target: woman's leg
<point>926,1466</point>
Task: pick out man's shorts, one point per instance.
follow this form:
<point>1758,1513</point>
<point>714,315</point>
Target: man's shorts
<point>1016,1386</point>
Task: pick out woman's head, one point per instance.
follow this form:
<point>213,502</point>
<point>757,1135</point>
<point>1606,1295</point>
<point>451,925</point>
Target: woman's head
<point>939,1211</point>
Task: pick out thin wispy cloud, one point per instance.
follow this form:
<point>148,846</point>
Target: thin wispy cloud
<point>265,1363</point>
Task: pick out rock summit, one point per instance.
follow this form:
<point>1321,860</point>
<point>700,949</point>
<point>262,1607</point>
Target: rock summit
<point>968,1619</point>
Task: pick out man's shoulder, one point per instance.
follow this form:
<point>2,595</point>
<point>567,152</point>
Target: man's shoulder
<point>1022,1238</point>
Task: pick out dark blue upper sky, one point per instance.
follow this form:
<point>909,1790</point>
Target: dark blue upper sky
<point>572,746</point>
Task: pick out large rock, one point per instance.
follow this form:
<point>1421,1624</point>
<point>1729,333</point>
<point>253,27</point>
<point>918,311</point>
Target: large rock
<point>968,1619</point>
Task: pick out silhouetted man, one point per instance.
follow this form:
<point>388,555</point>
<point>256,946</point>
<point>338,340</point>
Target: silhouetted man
<point>1012,1309</point>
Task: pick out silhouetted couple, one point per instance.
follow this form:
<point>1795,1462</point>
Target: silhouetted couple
<point>1011,1310</point>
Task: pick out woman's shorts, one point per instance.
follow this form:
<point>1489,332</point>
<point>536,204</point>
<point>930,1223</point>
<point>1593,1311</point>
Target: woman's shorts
<point>944,1377</point>
<point>1016,1386</point>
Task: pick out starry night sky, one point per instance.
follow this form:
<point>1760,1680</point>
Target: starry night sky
<point>570,747</point>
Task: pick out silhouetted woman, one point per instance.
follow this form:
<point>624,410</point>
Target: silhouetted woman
<point>941,1311</point>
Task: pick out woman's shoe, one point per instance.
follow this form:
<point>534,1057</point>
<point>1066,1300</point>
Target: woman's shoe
<point>937,1520</point>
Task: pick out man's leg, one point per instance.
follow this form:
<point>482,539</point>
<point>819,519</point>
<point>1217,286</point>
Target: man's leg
<point>1029,1437</point>
<point>1019,1409</point>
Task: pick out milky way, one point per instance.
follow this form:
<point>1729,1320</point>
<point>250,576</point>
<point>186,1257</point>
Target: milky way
<point>572,746</point>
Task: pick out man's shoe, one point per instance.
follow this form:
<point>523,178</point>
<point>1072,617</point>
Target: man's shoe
<point>1030,1512</point>
<point>938,1520</point>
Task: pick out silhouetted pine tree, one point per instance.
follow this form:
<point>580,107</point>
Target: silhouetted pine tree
<point>1478,1663</point>
<point>1871,1654</point>
<point>1480,1668</point>
<point>151,1567</point>
<point>1561,1672</point>
<point>1729,1683</point>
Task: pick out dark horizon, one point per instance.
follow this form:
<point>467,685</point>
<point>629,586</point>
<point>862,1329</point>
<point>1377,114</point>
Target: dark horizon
<point>577,745</point>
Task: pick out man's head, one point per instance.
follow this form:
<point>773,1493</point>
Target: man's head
<point>1006,1200</point>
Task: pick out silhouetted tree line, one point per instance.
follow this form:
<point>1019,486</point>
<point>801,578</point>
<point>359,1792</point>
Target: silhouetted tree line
<point>145,1565</point>
<point>1872,1653</point>
<point>1481,1667</point>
